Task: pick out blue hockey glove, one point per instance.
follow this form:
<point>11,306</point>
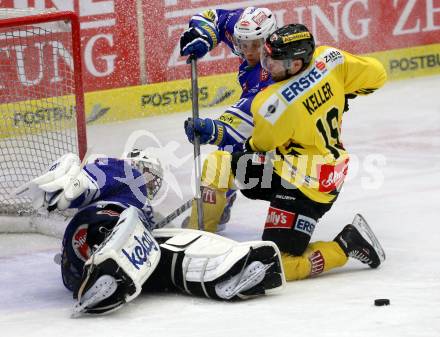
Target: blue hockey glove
<point>197,41</point>
<point>210,131</point>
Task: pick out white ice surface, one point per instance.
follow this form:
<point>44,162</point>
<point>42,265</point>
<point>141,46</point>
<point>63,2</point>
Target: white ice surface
<point>400,124</point>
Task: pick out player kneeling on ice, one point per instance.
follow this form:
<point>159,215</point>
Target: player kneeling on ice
<point>111,251</point>
<point>244,31</point>
<point>295,158</point>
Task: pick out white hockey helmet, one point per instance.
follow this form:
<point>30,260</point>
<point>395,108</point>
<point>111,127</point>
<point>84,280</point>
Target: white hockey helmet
<point>254,24</point>
<point>150,167</point>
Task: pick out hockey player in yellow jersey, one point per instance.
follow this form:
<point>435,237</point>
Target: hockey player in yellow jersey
<point>295,158</point>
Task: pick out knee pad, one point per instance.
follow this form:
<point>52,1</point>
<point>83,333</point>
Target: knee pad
<point>290,230</point>
<point>291,220</point>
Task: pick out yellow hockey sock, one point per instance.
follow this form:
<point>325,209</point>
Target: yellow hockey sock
<point>214,202</point>
<point>319,257</point>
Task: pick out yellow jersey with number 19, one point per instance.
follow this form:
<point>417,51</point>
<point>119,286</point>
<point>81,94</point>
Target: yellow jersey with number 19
<point>301,119</point>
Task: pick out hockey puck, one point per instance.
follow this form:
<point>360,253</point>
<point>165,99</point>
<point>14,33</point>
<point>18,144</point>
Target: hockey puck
<point>381,302</point>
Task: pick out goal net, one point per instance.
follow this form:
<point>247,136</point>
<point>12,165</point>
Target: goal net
<point>41,100</point>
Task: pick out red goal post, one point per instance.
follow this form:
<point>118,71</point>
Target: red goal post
<point>41,98</point>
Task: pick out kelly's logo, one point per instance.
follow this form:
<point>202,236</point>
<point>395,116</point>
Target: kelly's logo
<point>278,218</point>
<point>141,252</point>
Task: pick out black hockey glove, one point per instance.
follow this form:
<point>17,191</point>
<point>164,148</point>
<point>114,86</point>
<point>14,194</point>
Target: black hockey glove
<point>195,41</point>
<point>347,97</point>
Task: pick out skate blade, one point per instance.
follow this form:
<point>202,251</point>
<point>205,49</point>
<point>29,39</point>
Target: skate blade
<point>253,275</point>
<point>362,226</point>
<point>103,288</point>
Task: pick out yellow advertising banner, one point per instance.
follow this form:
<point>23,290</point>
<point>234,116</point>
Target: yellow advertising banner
<point>160,98</point>
<point>51,114</point>
<point>169,97</point>
<point>410,62</point>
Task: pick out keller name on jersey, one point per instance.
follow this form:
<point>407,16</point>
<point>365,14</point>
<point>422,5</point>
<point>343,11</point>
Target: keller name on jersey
<point>318,98</point>
<point>298,87</point>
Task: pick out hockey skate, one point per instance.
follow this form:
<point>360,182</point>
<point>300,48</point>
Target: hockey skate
<point>359,242</point>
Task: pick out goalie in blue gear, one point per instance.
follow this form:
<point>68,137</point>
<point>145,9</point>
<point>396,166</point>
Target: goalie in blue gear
<point>243,31</point>
<point>111,251</point>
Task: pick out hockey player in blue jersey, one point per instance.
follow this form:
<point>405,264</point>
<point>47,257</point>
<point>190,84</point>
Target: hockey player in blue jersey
<point>111,251</point>
<point>244,31</point>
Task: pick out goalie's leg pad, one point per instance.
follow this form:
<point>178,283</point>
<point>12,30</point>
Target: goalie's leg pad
<point>130,254</point>
<point>199,261</point>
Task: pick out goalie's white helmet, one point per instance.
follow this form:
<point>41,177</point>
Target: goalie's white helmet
<point>150,167</point>
<point>255,24</point>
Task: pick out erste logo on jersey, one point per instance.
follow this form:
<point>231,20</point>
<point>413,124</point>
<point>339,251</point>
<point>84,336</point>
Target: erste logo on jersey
<point>278,218</point>
<point>305,224</point>
<point>322,66</point>
<point>295,88</point>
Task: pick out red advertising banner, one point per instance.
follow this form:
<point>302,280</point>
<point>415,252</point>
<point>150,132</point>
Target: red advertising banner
<point>358,26</point>
<point>108,36</point>
<point>127,43</point>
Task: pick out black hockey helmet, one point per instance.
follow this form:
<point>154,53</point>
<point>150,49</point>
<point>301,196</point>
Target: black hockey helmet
<point>291,42</point>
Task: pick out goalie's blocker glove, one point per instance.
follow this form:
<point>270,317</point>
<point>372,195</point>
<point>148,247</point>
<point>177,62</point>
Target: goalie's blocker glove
<point>198,41</point>
<point>210,131</point>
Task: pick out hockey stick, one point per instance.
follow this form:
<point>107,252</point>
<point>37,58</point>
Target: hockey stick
<point>196,142</point>
<point>174,214</point>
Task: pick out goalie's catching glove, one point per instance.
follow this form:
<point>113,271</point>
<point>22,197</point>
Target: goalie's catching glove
<point>210,131</point>
<point>61,184</point>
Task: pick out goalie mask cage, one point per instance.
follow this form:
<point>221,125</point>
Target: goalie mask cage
<point>41,101</point>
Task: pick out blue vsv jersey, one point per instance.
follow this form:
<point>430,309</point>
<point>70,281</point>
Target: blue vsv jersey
<point>237,119</point>
<point>115,181</point>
